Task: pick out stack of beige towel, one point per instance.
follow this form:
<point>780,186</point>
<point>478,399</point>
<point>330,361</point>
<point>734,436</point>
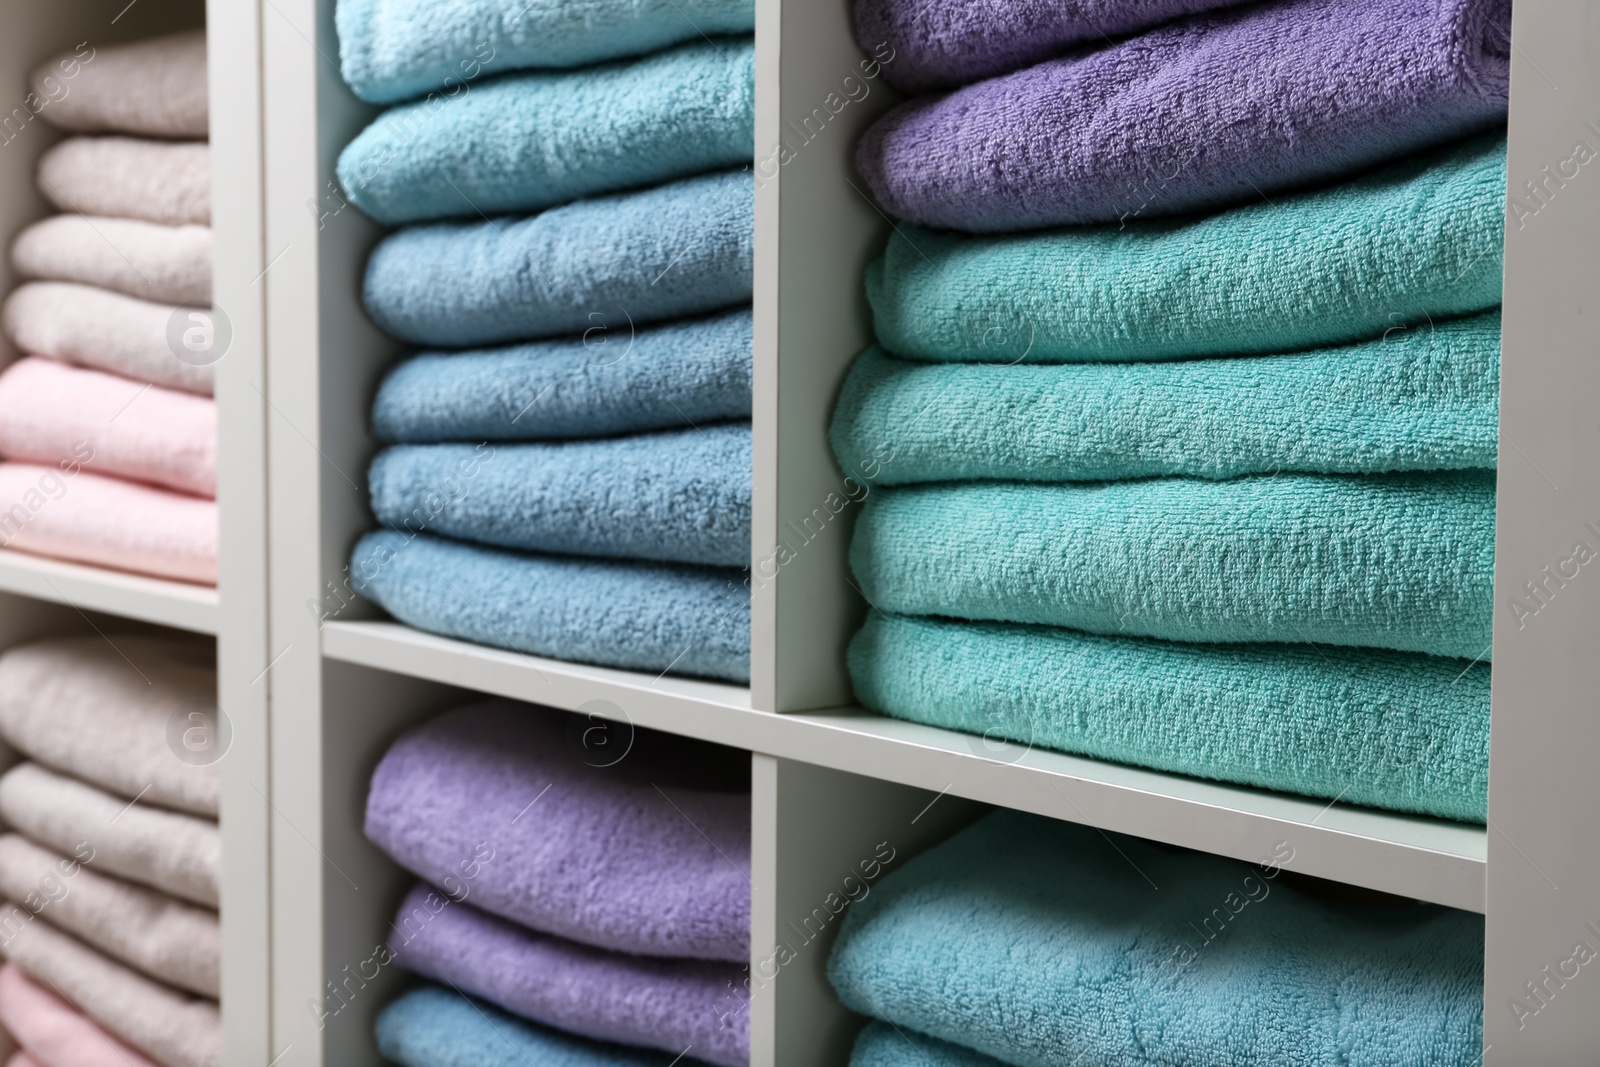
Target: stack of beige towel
<point>110,855</point>
<point>108,431</point>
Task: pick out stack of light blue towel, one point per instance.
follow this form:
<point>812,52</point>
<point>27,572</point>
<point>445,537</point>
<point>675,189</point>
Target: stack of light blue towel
<point>568,462</point>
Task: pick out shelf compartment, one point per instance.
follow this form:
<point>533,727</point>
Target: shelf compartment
<point>134,596</point>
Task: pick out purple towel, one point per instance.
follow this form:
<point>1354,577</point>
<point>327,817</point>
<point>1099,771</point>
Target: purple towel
<point>565,825</point>
<point>684,1007</point>
<point>1212,111</point>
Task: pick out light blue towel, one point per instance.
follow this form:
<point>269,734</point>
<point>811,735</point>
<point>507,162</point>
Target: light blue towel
<point>598,268</point>
<point>393,49</point>
<point>681,374</point>
<point>637,616</point>
<point>1392,730</point>
<point>531,141</point>
<point>882,1045</point>
<point>1048,944</point>
<point>682,496</point>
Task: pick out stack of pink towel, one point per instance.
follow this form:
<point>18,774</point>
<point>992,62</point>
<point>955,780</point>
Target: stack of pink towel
<point>107,427</point>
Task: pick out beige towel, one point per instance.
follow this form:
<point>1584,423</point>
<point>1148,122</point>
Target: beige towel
<point>155,87</point>
<point>98,328</point>
<point>128,178</point>
<point>177,854</point>
<point>166,264</point>
<point>103,710</point>
<point>170,1027</point>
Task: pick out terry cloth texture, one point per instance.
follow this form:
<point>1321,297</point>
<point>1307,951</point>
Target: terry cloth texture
<point>391,50</point>
<point>1393,730</point>
<point>102,329</point>
<point>156,87</point>
<point>51,411</point>
<point>597,268</point>
<point>164,264</point>
<point>672,1005</point>
<point>177,854</point>
<point>612,855</point>
<point>81,707</point>
<point>172,1028</point>
<point>531,141</point>
<point>677,497</point>
<point>1221,109</point>
<point>1415,241</point>
<point>611,382</point>
<point>129,178</point>
<point>1034,941</point>
<point>107,522</point>
<point>637,616</point>
<point>55,1033</point>
<point>174,942</point>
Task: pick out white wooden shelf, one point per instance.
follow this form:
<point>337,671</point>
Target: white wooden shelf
<point>134,596</point>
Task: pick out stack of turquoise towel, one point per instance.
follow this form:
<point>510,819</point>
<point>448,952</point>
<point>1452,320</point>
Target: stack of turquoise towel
<point>568,462</point>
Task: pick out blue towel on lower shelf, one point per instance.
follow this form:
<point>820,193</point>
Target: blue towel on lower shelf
<point>636,616</point>
<point>1048,944</point>
<point>598,267</point>
<point>676,497</point>
<point>682,374</point>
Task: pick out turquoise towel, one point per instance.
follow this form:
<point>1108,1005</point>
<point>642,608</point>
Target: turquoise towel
<point>1418,239</point>
<point>637,616</point>
<point>530,141</point>
<point>1391,730</point>
<point>882,1045</point>
<point>1402,561</point>
<point>393,49</point>
<point>677,497</point>
<point>597,269</point>
<point>682,374</point>
<point>1048,944</point>
<point>1422,399</point>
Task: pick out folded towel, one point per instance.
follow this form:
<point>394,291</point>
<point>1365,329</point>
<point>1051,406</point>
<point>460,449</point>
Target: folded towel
<point>106,522</point>
<point>1030,940</point>
<point>155,87</point>
<point>674,1005</point>
<point>613,856</point>
<point>177,854</point>
<point>530,141</point>
<point>54,1031</point>
<point>164,264</point>
<point>661,378</point>
<point>597,268</point>
<point>129,178</point>
<point>172,1028</point>
<point>51,411</point>
<point>637,616</point>
<point>168,940</point>
<point>1420,239</point>
<point>677,497</point>
<point>101,710</point>
<point>102,329</point>
<point>883,1045</point>
<point>1220,109</point>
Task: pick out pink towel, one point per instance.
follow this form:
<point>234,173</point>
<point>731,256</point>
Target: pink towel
<point>66,512</point>
<point>52,1032</point>
<point>22,1059</point>
<point>50,411</point>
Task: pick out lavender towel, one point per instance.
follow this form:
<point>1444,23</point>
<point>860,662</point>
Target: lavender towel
<point>1216,110</point>
<point>561,824</point>
<point>679,1006</point>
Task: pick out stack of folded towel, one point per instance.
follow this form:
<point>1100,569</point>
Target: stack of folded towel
<point>568,470</point>
<point>1211,492</point>
<point>110,864</point>
<point>598,892</point>
<point>108,437</point>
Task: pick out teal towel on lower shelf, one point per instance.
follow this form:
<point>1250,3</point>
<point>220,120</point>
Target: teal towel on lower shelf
<point>1402,561</point>
<point>1048,944</point>
<point>882,1045</point>
<point>1391,730</point>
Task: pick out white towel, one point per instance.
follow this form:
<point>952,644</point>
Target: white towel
<point>167,182</point>
<point>164,264</point>
<point>155,87</point>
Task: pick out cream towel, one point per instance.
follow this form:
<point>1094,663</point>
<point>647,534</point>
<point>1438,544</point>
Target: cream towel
<point>165,264</point>
<point>155,87</point>
<point>102,710</point>
<point>98,328</point>
<point>54,1031</point>
<point>177,854</point>
<point>129,178</point>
